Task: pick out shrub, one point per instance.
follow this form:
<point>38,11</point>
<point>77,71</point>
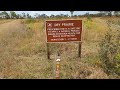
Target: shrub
<point>30,21</point>
<point>110,51</point>
<point>89,18</point>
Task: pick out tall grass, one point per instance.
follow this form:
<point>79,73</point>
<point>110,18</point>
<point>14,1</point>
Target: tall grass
<point>23,51</point>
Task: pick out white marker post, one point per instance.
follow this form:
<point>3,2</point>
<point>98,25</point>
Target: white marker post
<point>58,67</point>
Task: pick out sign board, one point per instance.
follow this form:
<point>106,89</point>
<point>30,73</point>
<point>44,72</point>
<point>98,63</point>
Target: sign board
<point>63,30</point>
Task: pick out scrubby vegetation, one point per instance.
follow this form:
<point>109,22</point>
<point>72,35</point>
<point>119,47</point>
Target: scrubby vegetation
<point>23,50</point>
<point>110,50</point>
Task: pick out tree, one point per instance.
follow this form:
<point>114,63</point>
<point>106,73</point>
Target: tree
<point>52,16</point>
<point>18,16</point>
<point>66,15</point>
<point>117,13</point>
<point>62,15</point>
<point>23,15</point>
<point>108,13</point>
<point>36,15</point>
<point>13,15</point>
<point>28,16</point>
<point>5,15</point>
<point>71,13</point>
<point>57,16</point>
<point>75,15</point>
<point>86,14</point>
<point>1,15</point>
<point>43,15</point>
<point>100,14</point>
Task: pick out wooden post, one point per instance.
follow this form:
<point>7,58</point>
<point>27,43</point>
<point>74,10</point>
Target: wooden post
<point>48,52</point>
<point>58,66</point>
<point>79,49</point>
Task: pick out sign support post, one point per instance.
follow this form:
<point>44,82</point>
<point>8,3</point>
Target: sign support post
<point>79,49</point>
<point>48,52</point>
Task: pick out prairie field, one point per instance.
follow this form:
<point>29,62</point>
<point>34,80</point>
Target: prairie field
<point>23,51</point>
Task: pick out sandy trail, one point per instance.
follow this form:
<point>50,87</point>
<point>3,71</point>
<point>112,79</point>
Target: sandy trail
<point>13,25</point>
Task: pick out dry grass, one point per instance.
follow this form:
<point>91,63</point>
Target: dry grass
<point>2,21</point>
<point>23,51</point>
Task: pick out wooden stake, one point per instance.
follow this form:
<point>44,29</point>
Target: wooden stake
<point>57,69</point>
<point>58,66</point>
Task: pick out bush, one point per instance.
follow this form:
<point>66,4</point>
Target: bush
<point>89,18</point>
<point>30,21</point>
<point>110,51</point>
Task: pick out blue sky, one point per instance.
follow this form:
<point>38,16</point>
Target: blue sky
<point>54,12</point>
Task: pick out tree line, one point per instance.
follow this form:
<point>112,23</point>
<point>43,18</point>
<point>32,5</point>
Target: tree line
<point>13,15</point>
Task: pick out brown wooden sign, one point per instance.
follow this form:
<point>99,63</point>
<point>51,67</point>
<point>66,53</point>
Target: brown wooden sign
<point>63,30</point>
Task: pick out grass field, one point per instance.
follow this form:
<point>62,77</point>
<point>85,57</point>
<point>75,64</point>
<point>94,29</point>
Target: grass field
<point>23,52</point>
